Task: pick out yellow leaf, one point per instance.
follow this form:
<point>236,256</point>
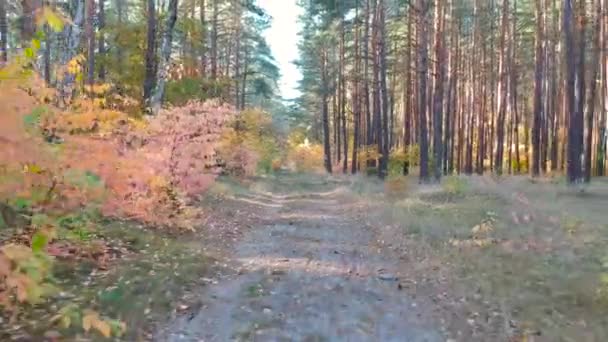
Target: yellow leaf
<point>36,44</point>
<point>66,321</point>
<point>32,168</point>
<point>51,18</point>
<point>16,252</point>
<point>87,320</point>
<point>103,328</point>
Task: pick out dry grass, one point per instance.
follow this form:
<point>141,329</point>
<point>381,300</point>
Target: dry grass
<point>507,259</point>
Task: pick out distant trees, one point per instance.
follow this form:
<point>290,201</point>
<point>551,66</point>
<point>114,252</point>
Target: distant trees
<point>130,46</point>
<point>460,67</point>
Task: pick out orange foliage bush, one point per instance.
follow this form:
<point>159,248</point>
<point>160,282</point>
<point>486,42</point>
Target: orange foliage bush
<point>147,170</point>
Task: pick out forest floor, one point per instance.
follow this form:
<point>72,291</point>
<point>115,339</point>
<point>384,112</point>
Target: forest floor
<point>317,258</point>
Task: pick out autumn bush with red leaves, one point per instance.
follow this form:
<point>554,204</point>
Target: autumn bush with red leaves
<point>56,164</point>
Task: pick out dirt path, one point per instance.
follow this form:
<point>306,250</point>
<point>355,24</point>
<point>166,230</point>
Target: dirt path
<point>306,273</point>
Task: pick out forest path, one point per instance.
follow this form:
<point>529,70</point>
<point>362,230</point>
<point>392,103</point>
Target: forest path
<point>306,272</point>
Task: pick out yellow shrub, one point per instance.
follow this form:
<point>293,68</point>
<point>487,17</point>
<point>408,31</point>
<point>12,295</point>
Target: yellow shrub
<point>306,157</point>
<point>249,145</point>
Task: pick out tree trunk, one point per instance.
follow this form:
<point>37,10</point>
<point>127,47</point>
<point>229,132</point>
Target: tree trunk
<point>28,20</point>
<point>47,54</point>
<point>580,88</point>
<point>502,86</point>
<point>514,89</point>
<point>595,60</point>
<point>356,102</point>
<point>423,7</point>
<point>214,36</point>
<point>3,33</point>
<point>165,58</point>
<point>203,52</point>
<point>602,136</point>
<point>150,56</point>
<point>407,96</point>
<point>325,114</point>
<point>368,119</point>
<point>574,164</point>
<point>438,92</point>
<point>538,93</point>
<point>383,132</point>
<point>72,38</point>
<point>554,110</point>
<point>90,34</point>
<point>119,22</point>
<point>101,50</point>
<point>342,94</point>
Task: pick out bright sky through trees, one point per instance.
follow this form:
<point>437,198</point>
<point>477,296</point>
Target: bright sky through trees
<point>283,39</point>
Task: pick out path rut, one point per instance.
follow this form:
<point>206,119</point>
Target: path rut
<point>307,273</point>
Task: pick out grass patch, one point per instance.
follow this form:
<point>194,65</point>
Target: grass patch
<point>149,274</point>
<point>533,252</point>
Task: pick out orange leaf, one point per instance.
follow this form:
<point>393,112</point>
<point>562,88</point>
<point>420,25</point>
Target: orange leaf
<point>103,328</point>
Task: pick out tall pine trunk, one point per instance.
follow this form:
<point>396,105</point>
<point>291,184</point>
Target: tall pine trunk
<point>595,60</point>
<point>538,93</point>
<point>3,32</point>
<point>72,35</point>
<point>383,136</point>
<point>438,92</point>
<point>423,7</point>
<point>165,58</point>
<point>574,165</point>
<point>150,55</point>
<point>101,49</point>
<point>502,86</point>
<point>90,34</point>
<point>325,110</point>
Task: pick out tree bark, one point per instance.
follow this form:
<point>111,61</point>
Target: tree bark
<point>423,7</point>
<point>101,50</point>
<point>203,52</point>
<point>3,32</point>
<point>383,136</point>
<point>28,20</point>
<point>47,54</point>
<point>438,92</point>
<point>165,58</point>
<point>325,114</point>
<point>90,34</point>
<point>595,60</point>
<point>502,86</point>
<point>72,34</point>
<point>356,101</point>
<point>407,96</point>
<point>574,165</point>
<point>538,93</point>
<point>150,56</point>
<point>214,37</point>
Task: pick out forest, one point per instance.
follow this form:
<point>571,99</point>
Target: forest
<point>443,85</point>
<point>437,172</point>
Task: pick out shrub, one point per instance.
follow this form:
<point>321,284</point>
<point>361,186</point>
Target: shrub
<point>180,92</point>
<point>306,158</point>
<point>249,144</point>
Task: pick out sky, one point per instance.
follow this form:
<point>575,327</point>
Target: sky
<point>282,37</point>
